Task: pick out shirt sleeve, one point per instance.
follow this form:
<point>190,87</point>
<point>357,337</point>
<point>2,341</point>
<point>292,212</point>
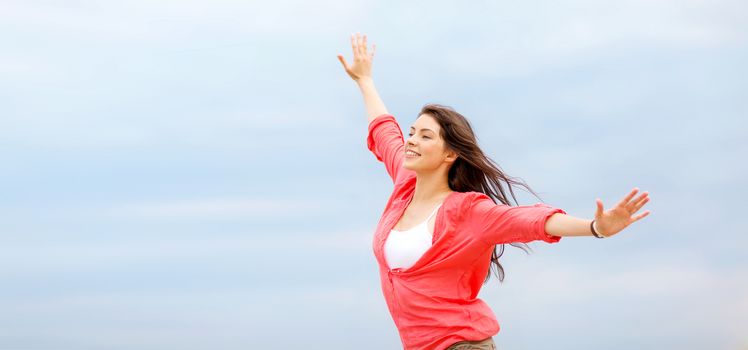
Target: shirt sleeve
<point>500,223</point>
<point>386,141</point>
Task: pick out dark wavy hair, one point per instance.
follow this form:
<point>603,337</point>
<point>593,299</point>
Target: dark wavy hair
<point>473,170</point>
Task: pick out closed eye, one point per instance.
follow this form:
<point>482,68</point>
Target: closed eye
<point>411,134</point>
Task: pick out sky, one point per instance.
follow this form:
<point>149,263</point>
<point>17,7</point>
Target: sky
<point>193,174</point>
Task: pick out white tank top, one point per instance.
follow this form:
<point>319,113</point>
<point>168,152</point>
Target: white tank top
<point>403,248</point>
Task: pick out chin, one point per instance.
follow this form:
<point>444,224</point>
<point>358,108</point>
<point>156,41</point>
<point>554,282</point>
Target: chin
<point>407,166</point>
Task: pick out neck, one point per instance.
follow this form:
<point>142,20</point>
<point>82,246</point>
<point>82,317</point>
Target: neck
<point>431,187</point>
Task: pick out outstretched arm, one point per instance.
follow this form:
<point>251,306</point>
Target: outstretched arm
<point>360,72</point>
<point>607,223</point>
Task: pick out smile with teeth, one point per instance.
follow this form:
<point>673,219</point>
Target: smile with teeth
<point>410,153</point>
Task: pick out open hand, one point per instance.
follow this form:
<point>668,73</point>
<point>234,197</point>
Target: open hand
<point>361,58</point>
<point>612,221</point>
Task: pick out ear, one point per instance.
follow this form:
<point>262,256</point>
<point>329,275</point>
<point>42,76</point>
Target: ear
<point>451,156</point>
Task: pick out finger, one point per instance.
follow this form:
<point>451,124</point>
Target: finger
<point>644,196</point>
<point>626,199</point>
<point>353,44</point>
<point>373,49</point>
<point>358,44</point>
<point>640,216</point>
<point>640,204</point>
<point>634,204</point>
<point>363,46</point>
<point>599,210</point>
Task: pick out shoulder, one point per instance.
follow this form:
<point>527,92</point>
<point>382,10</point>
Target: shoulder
<point>463,203</point>
<point>382,119</point>
<point>471,198</point>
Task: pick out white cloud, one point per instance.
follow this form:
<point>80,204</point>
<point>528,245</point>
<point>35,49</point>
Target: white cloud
<point>219,208</point>
<point>226,319</point>
<point>656,297</point>
<point>62,82</point>
<point>210,208</point>
<point>152,22</point>
<point>107,252</point>
<point>516,39</point>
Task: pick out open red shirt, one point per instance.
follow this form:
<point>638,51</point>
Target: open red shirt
<point>434,303</point>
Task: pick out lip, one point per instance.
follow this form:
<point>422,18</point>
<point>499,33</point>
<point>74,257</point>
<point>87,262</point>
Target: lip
<point>406,151</point>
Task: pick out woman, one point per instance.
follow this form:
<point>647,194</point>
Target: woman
<point>440,228</point>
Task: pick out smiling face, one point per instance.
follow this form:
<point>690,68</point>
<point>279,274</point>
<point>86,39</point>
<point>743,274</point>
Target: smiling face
<point>425,140</point>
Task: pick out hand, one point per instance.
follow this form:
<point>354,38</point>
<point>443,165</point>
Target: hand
<point>612,221</point>
<point>361,67</point>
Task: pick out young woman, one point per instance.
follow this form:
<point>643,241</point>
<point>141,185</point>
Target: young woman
<point>440,228</point>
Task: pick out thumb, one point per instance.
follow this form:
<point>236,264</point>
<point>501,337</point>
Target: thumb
<point>599,211</point>
<point>342,60</point>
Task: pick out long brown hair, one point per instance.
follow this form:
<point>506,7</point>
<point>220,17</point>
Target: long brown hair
<point>473,170</point>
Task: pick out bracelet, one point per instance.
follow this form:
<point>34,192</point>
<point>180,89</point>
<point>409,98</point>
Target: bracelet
<point>594,233</point>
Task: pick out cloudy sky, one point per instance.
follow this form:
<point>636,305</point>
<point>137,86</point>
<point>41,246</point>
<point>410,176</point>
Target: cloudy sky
<point>194,175</point>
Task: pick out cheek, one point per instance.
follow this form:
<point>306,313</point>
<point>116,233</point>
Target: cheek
<point>431,151</point>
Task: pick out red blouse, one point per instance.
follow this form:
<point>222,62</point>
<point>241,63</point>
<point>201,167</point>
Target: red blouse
<point>434,303</point>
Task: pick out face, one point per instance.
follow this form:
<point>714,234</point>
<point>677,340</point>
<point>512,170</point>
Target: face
<point>424,139</point>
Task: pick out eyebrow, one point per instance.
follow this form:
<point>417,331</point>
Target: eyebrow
<point>424,129</point>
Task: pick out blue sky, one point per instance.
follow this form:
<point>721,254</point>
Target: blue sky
<point>185,174</point>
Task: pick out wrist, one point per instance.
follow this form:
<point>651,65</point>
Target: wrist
<point>365,80</point>
<point>595,231</point>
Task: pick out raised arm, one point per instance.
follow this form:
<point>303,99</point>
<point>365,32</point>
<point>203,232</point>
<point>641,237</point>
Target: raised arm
<point>360,72</point>
<point>385,138</point>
